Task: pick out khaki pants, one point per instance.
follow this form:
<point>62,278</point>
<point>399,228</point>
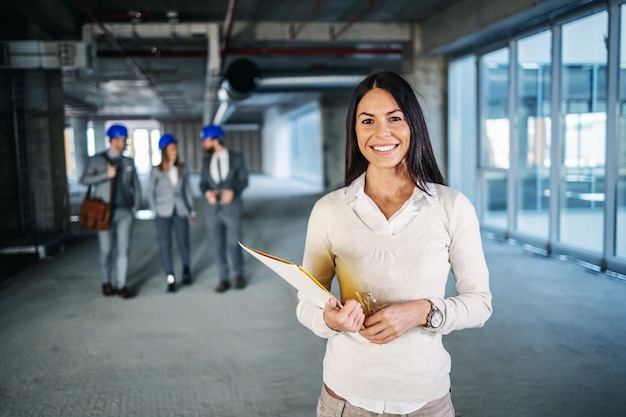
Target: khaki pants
<point>329,406</point>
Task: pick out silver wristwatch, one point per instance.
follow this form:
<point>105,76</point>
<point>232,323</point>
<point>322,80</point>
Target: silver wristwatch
<point>434,318</point>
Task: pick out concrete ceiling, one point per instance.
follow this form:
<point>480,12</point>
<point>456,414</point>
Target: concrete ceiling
<point>168,58</point>
<point>151,58</point>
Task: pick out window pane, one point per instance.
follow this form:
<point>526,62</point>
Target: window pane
<point>306,158</point>
<point>533,107</point>
<point>494,109</point>
<point>494,191</point>
<point>141,147</point>
<point>494,140</point>
<point>462,140</point>
<point>91,141</point>
<point>584,132</point>
<point>155,135</point>
<point>621,184</point>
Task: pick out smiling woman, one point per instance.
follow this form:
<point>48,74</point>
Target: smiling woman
<point>395,232</point>
<point>382,132</point>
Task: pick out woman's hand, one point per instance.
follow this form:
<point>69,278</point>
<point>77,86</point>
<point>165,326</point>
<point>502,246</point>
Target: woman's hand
<point>348,318</point>
<point>393,320</point>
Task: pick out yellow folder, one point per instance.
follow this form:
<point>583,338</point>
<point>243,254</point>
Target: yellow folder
<point>295,275</point>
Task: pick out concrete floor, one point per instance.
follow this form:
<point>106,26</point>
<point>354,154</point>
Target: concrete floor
<point>555,346</point>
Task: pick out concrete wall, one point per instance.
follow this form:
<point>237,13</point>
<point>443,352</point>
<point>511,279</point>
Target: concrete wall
<point>79,145</point>
<point>46,151</point>
<point>187,132</point>
<point>470,22</point>
<point>428,76</point>
<point>276,143</point>
<point>289,150</point>
<point>11,130</point>
<point>334,110</point>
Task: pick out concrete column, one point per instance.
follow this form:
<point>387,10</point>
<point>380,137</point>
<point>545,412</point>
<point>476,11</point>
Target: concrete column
<point>14,194</point>
<point>99,135</point>
<point>429,77</point>
<point>79,126</point>
<point>334,107</point>
<point>45,123</point>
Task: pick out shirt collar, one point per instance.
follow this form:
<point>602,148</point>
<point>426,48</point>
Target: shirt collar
<point>357,188</point>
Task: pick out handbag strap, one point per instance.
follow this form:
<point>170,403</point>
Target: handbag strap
<point>112,187</point>
<point>88,195</point>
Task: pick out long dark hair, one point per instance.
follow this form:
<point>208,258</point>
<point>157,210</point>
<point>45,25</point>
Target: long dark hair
<point>420,159</point>
<point>165,163</point>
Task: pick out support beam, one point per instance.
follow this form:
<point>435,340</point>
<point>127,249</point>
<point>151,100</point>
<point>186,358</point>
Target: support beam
<point>256,32</point>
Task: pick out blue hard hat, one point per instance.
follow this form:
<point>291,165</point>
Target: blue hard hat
<point>211,131</point>
<point>165,140</point>
<point>117,131</point>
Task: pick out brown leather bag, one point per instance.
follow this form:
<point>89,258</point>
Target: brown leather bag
<point>95,213</point>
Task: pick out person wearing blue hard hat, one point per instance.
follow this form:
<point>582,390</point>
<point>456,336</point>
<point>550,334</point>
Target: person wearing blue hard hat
<point>223,177</point>
<point>117,131</point>
<point>165,140</point>
<point>170,198</point>
<point>212,131</point>
<point>115,180</point>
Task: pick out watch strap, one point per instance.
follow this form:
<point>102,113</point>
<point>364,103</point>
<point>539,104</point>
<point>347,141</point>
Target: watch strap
<point>430,314</point>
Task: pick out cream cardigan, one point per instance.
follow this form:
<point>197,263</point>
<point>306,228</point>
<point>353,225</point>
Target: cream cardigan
<point>413,264</point>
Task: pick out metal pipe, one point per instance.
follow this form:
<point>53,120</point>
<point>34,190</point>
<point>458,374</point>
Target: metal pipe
<point>307,19</point>
<point>131,62</point>
<point>360,16</point>
<point>228,26</point>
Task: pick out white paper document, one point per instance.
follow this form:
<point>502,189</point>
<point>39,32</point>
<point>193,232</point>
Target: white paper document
<point>295,275</point>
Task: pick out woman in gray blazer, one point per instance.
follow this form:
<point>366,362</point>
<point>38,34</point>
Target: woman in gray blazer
<point>171,200</point>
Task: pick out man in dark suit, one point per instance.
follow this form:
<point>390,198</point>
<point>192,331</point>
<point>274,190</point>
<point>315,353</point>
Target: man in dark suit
<point>115,179</point>
<point>223,178</point>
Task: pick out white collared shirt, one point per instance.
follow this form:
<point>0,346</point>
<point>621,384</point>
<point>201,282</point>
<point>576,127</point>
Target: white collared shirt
<point>172,172</point>
<point>369,213</point>
<point>222,156</point>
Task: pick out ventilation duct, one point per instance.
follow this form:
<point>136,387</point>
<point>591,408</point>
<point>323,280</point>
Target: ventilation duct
<point>240,80</point>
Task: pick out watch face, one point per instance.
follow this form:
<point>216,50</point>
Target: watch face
<point>436,319</point>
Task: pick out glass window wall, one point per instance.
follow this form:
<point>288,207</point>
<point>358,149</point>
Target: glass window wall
<point>620,244</point>
<point>462,142</point>
<point>306,160</point>
<point>534,64</point>
<point>583,106</point>
<point>542,129</point>
<point>495,137</point>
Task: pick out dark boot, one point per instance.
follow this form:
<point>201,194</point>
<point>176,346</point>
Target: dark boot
<point>186,276</point>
